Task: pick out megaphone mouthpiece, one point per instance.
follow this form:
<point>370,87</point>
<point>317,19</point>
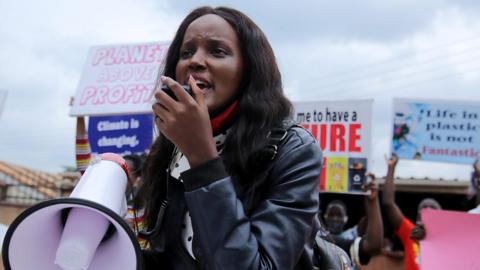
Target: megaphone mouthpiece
<point>80,239</point>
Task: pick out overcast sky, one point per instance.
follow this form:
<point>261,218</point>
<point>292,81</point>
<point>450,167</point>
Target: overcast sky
<point>327,50</point>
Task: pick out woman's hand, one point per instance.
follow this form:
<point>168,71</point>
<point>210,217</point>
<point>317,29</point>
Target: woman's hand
<point>186,122</point>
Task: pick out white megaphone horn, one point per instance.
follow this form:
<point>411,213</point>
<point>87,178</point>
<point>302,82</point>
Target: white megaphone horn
<point>84,231</point>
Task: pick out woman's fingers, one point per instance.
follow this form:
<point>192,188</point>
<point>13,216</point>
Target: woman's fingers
<point>163,98</point>
<point>161,113</point>
<point>196,92</point>
<point>179,119</point>
<point>177,89</point>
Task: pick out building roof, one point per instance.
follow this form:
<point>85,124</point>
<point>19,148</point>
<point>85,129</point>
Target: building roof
<point>25,185</point>
<point>428,185</point>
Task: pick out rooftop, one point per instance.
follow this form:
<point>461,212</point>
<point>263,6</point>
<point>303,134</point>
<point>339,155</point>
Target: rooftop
<point>22,185</point>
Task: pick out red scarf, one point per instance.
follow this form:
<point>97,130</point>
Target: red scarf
<point>222,121</point>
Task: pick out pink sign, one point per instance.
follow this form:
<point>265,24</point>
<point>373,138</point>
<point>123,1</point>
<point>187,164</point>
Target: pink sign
<point>119,79</point>
<point>451,242</point>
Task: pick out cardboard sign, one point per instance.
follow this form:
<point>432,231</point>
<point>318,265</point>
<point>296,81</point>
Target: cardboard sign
<point>119,79</point>
<point>446,131</point>
<point>125,134</point>
<point>343,131</point>
<point>451,240</point>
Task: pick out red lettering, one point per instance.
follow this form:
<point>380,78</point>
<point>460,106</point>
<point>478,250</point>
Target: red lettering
<point>314,130</point>
<point>332,138</point>
<point>337,137</point>
<point>323,136</point>
<point>354,137</point>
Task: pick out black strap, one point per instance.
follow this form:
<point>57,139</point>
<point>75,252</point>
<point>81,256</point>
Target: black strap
<point>276,135</point>
<point>329,255</point>
<point>275,138</point>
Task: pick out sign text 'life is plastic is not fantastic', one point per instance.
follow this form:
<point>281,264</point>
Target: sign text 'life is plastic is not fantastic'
<point>435,130</point>
<point>343,131</point>
<point>119,79</point>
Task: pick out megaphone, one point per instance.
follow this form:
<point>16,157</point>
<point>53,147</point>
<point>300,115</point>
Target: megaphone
<point>84,231</point>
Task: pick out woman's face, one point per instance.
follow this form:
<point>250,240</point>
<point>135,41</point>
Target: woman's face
<point>211,53</point>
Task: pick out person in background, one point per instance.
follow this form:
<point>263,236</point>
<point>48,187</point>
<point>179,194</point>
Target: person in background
<point>408,233</point>
<point>360,247</point>
<point>232,185</point>
<point>135,194</point>
<point>336,217</point>
<point>83,153</point>
<point>475,186</point>
<point>135,168</point>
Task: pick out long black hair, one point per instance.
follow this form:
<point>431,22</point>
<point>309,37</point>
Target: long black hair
<point>262,106</point>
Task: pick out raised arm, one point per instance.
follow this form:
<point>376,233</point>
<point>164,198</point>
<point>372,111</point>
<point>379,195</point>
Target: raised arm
<point>394,214</point>
<point>373,239</point>
<point>83,152</point>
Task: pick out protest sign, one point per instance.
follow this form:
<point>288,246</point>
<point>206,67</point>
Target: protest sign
<point>343,131</point>
<point>446,131</point>
<point>123,134</point>
<point>118,79</point>
<point>451,240</point>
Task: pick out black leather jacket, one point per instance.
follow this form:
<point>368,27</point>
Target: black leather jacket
<point>277,234</point>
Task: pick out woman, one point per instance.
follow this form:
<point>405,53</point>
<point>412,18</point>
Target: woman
<point>219,197</point>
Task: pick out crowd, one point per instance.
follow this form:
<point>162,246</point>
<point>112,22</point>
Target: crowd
<point>231,182</point>
<point>360,242</point>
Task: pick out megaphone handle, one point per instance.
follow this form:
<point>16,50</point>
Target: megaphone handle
<point>148,235</point>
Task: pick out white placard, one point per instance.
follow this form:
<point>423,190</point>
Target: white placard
<point>119,79</point>
<point>343,131</point>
